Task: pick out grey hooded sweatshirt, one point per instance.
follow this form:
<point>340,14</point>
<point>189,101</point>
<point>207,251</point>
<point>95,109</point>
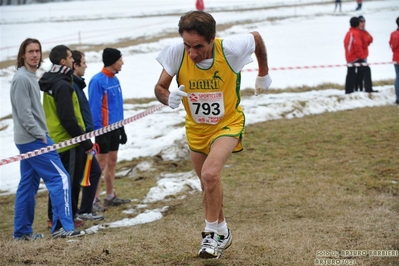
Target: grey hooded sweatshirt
<point>27,109</point>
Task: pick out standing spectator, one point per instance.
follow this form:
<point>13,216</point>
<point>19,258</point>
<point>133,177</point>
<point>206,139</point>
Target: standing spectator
<point>359,4</point>
<point>394,43</point>
<point>364,72</point>
<point>338,4</point>
<point>199,4</point>
<point>354,53</point>
<point>207,70</point>
<point>85,211</point>
<point>30,133</point>
<point>106,105</point>
<point>64,118</point>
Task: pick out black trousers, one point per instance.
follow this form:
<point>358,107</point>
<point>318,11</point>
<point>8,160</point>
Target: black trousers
<point>89,192</point>
<point>363,79</point>
<point>355,77</point>
<point>350,79</point>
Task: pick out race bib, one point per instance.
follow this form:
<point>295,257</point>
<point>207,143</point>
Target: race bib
<point>207,107</point>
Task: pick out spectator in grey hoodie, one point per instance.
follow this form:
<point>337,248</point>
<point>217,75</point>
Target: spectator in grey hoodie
<point>30,133</point>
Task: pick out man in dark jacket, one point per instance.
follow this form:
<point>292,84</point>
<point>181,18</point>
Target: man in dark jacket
<point>64,119</point>
<point>85,211</point>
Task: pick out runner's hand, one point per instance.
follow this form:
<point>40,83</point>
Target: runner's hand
<point>175,97</point>
<point>262,84</point>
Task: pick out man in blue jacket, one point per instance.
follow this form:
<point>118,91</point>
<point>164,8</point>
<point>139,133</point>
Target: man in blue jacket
<point>106,105</point>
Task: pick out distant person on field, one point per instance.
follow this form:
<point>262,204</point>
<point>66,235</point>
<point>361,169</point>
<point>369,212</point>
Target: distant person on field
<point>31,133</point>
<point>207,71</point>
<point>199,4</point>
<point>394,43</point>
<point>85,211</point>
<point>354,54</point>
<point>338,4</point>
<point>106,106</point>
<point>364,72</point>
<point>359,5</point>
<point>64,120</point>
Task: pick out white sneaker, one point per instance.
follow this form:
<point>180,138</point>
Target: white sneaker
<point>90,216</point>
<point>31,236</point>
<point>210,246</point>
<point>224,242</point>
<point>67,234</point>
<point>98,206</point>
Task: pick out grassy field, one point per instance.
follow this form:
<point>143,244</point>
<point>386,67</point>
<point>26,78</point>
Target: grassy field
<point>302,189</point>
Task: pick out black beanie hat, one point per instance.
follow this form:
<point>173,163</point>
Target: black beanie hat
<point>110,56</point>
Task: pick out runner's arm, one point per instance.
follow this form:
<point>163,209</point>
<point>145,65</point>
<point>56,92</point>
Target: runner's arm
<point>261,54</point>
<point>162,87</point>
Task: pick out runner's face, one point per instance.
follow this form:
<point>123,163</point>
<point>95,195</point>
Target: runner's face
<point>32,56</point>
<point>197,47</point>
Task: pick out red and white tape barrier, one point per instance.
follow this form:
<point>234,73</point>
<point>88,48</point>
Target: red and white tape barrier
<point>321,66</point>
<point>150,111</point>
<point>81,137</point>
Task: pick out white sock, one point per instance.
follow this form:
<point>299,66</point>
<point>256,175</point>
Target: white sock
<point>110,196</point>
<point>222,228</point>
<point>211,226</point>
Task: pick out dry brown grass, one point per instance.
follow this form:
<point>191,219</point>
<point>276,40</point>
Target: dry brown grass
<point>323,182</point>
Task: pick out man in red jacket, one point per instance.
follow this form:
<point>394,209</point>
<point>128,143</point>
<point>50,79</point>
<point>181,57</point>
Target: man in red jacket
<point>364,73</point>
<point>394,43</point>
<point>354,53</point>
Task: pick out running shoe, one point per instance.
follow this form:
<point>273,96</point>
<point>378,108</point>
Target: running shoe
<point>224,242</point>
<point>90,216</point>
<point>29,237</point>
<point>210,246</point>
<point>67,234</point>
<point>98,206</point>
<point>115,201</point>
<point>77,222</point>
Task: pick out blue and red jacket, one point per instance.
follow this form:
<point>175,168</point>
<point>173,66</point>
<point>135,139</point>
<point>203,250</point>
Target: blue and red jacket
<point>105,99</point>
